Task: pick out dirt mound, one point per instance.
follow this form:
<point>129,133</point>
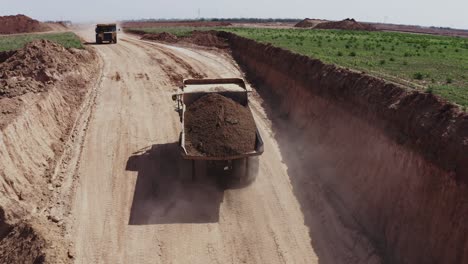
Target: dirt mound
<point>309,23</point>
<point>200,38</point>
<point>34,130</point>
<point>207,39</point>
<point>218,126</point>
<point>164,36</point>
<point>347,24</point>
<point>20,24</point>
<point>30,69</point>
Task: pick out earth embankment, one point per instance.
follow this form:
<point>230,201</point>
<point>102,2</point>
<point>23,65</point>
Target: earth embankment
<point>393,162</point>
<point>21,24</point>
<point>43,88</point>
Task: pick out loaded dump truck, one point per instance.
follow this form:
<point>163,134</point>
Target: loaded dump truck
<point>218,129</point>
<point>106,33</point>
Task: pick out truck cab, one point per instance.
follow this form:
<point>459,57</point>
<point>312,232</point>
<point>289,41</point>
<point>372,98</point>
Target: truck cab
<point>106,33</point>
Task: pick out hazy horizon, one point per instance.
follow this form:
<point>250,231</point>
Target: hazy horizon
<point>450,13</point>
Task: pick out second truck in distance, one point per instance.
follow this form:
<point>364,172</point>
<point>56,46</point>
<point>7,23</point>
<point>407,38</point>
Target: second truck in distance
<point>106,33</point>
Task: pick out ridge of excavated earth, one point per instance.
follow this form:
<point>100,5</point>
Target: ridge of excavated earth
<point>44,90</point>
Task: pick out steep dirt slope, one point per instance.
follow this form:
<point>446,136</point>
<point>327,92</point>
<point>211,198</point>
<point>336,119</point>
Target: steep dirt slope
<point>393,163</point>
<point>43,86</point>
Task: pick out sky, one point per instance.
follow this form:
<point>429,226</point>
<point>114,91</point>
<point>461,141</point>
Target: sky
<point>445,13</point>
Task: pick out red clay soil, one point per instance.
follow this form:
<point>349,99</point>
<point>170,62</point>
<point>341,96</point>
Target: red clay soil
<point>218,126</point>
<point>20,24</point>
<point>347,24</point>
<point>30,69</point>
<point>164,36</point>
<point>174,24</point>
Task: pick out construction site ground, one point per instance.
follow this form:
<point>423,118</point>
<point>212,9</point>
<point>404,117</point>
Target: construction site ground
<point>133,205</point>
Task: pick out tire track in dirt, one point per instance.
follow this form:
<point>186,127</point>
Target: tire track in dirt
<point>165,62</point>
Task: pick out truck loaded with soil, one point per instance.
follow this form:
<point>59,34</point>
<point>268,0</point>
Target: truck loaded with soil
<point>218,127</point>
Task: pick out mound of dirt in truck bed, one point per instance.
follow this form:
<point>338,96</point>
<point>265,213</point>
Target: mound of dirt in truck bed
<point>347,24</point>
<point>20,24</point>
<point>32,68</point>
<point>164,36</point>
<point>218,126</point>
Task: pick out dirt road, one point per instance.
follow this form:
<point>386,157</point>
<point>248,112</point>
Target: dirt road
<point>132,205</point>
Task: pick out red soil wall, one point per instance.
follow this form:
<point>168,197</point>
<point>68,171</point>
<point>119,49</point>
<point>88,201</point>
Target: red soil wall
<point>393,161</point>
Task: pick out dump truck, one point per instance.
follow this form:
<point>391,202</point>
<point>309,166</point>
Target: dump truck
<point>238,170</point>
<point>106,33</point>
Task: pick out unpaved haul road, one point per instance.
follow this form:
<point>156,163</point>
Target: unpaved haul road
<point>132,206</point>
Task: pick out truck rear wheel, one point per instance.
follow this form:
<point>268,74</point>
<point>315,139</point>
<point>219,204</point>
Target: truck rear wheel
<point>244,171</point>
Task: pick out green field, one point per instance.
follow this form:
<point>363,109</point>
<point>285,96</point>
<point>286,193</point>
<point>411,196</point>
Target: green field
<point>431,63</point>
<point>67,39</point>
<point>434,63</point>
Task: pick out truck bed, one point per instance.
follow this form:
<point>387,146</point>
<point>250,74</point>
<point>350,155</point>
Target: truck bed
<point>231,88</point>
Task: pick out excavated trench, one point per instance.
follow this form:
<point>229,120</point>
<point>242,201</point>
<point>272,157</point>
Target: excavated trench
<point>392,162</point>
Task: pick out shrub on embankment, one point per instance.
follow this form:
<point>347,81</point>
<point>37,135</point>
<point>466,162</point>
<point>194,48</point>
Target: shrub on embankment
<point>397,160</point>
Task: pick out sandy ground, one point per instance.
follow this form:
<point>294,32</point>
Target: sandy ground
<point>135,204</point>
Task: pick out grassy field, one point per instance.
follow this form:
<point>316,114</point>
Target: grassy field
<point>436,64</point>
<point>67,39</point>
<point>432,63</point>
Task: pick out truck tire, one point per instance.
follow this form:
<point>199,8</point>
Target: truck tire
<point>253,166</point>
<point>244,172</point>
<point>98,40</point>
<point>115,41</point>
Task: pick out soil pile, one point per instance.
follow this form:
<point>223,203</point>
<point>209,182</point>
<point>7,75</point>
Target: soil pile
<point>200,38</point>
<point>347,24</point>
<point>309,23</point>
<point>207,39</point>
<point>35,129</point>
<point>20,24</point>
<point>164,36</point>
<point>218,126</point>
<point>32,68</point>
